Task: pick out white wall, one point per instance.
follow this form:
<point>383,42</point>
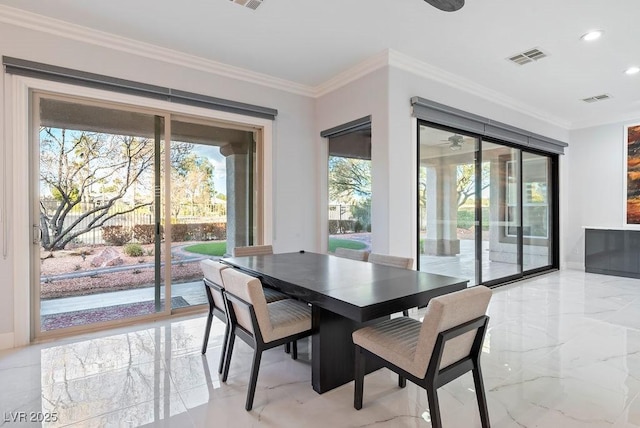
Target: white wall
<point>363,97</point>
<point>295,208</point>
<point>594,189</point>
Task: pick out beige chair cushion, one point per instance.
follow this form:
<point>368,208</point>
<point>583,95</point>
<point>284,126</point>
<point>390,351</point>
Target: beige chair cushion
<point>401,262</point>
<point>272,295</point>
<point>408,343</point>
<point>348,253</point>
<point>287,317</point>
<point>275,320</point>
<point>395,340</point>
<point>211,271</point>
<point>255,250</point>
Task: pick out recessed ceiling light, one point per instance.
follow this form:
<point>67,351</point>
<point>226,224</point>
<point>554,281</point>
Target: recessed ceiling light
<point>632,70</point>
<point>592,35</point>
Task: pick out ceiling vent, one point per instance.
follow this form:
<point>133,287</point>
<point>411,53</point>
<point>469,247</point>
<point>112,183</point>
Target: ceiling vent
<point>251,4</point>
<point>528,56</point>
<point>596,98</point>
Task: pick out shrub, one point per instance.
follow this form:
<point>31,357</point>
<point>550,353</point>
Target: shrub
<point>466,218</point>
<point>179,232</point>
<point>145,233</point>
<point>347,225</point>
<point>198,232</point>
<point>341,226</point>
<point>214,231</point>
<point>116,235</point>
<point>357,227</point>
<point>133,250</point>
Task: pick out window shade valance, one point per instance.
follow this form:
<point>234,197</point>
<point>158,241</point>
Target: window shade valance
<point>38,70</point>
<point>441,114</point>
<point>345,128</point>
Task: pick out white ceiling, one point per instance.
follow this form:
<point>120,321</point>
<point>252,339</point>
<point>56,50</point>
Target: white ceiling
<point>309,42</point>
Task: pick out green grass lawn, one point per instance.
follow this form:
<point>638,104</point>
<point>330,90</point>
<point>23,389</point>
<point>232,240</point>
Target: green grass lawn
<point>219,248</point>
<point>345,243</point>
<point>208,248</point>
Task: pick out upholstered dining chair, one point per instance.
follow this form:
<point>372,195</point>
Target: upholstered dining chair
<point>446,345</point>
<point>259,250</point>
<point>395,261</point>
<point>254,250</point>
<point>260,324</point>
<point>348,253</point>
<point>214,289</point>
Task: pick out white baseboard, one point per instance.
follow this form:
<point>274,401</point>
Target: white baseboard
<point>574,265</point>
<point>6,341</point>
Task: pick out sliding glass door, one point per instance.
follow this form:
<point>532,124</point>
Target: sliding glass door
<point>500,249</point>
<point>537,212</point>
<point>447,200</point>
<point>214,200</point>
<point>97,213</point>
<point>123,217</point>
<point>486,209</point>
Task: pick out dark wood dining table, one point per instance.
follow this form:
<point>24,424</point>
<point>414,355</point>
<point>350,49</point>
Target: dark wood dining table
<point>344,295</point>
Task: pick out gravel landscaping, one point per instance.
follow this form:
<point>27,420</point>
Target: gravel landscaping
<point>78,260</point>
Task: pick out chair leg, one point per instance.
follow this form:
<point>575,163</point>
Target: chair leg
<point>294,350</point>
<point>402,381</point>
<point>228,352</point>
<point>481,396</point>
<point>287,348</point>
<point>207,330</point>
<point>223,353</point>
<point>434,407</point>
<point>255,366</point>
<point>359,378</point>
<point>405,312</point>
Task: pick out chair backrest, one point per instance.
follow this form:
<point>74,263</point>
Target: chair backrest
<point>445,312</point>
<point>401,262</point>
<point>254,250</point>
<point>249,289</point>
<point>348,253</point>
<point>213,280</point>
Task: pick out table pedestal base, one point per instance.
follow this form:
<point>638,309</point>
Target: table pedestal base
<point>332,350</point>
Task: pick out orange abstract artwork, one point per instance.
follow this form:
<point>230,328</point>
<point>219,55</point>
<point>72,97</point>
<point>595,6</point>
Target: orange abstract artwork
<point>633,174</point>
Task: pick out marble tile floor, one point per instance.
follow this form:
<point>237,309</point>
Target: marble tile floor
<point>562,350</point>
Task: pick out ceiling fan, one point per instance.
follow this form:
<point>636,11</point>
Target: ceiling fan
<point>455,142</point>
<point>446,5</point>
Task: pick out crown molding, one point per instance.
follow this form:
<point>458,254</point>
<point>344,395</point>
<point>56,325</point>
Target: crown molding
<point>389,57</point>
<point>630,117</point>
<point>428,71</point>
<point>353,73</point>
<point>32,21</point>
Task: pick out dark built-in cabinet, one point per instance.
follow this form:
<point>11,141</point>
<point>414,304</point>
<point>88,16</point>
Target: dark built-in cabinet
<point>612,252</point>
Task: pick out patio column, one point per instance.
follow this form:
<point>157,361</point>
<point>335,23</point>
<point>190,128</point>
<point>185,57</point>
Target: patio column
<point>238,198</point>
<point>442,211</point>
